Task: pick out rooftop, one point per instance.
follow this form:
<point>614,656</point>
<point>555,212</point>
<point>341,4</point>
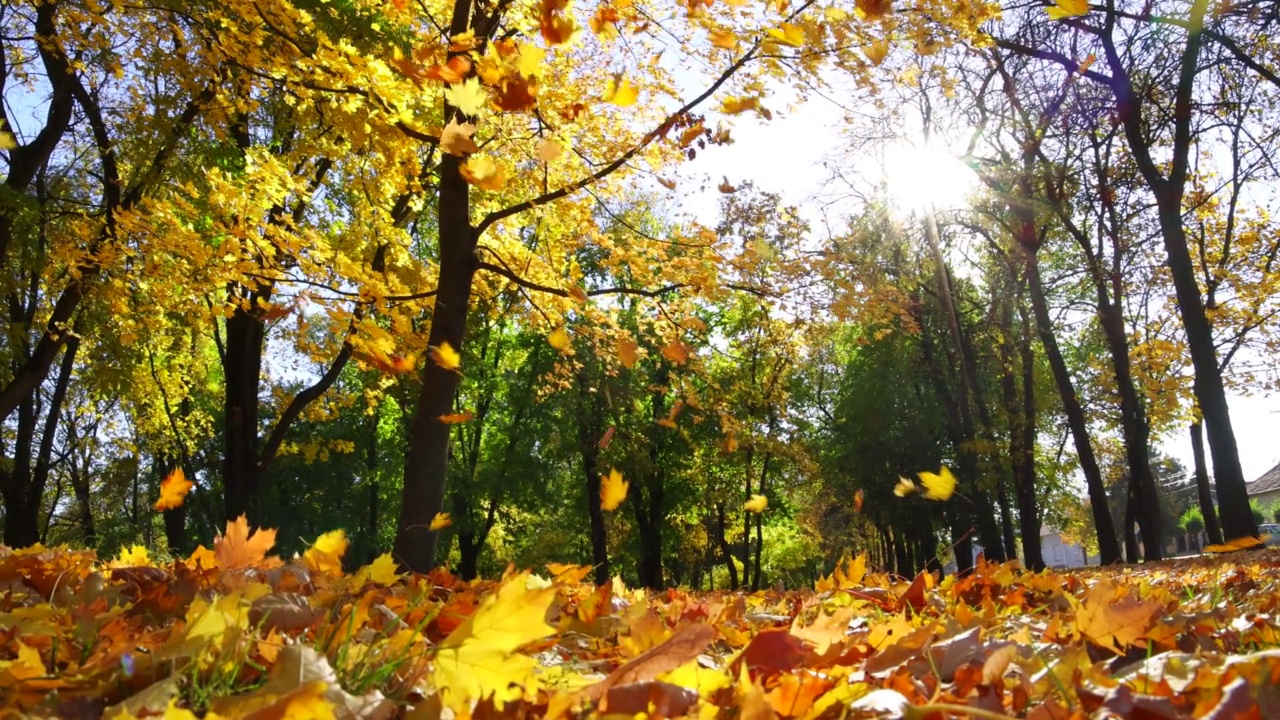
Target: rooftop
<point>1270,480</point>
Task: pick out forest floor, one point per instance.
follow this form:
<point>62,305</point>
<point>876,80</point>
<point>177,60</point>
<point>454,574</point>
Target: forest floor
<point>234,632</point>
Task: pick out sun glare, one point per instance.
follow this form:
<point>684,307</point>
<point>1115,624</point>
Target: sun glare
<point>919,177</point>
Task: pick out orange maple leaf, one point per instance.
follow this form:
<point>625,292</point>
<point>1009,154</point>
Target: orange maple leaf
<point>1113,620</point>
<point>173,490</point>
<point>241,548</point>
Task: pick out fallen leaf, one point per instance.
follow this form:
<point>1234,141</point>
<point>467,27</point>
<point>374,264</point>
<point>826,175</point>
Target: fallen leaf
<point>239,547</point>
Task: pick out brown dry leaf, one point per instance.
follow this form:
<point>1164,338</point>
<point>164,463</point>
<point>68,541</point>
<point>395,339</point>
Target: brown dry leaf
<point>456,138</point>
<point>684,645</point>
<point>1114,621</point>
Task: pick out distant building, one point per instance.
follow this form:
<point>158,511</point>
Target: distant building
<point>1266,489</point>
<point>1058,552</point>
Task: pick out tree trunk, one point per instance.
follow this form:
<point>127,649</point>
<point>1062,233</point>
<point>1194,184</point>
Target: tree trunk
<point>1131,552</point>
<point>427,459</point>
<point>1108,548</point>
<point>242,367</point>
<point>1233,497</point>
<point>1133,420</point>
<point>725,550</point>
<point>1203,493</point>
<point>1022,421</point>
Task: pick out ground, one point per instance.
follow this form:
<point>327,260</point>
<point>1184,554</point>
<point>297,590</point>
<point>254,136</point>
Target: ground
<point>233,632</point>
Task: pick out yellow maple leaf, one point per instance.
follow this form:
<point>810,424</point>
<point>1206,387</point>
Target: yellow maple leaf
<point>382,571</point>
<point>876,51</point>
<point>628,352</point>
<point>939,485</point>
<point>467,96</point>
<point>621,92</point>
<point>441,521</point>
<point>613,490</point>
<point>173,489</point>
<point>456,138</point>
<point>756,504</point>
<point>1067,8</point>
<point>136,556</point>
<point>27,666</point>
<point>325,555</point>
<point>445,356</point>
<point>904,487</point>
<point>529,61</point>
<point>788,34</point>
<point>479,659</point>
<point>559,339</point>
<point>735,105</point>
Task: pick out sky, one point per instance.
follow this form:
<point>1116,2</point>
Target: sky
<point>789,156</point>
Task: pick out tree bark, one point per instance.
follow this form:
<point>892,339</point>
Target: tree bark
<point>1233,497</point>
<point>1020,408</point>
<point>242,368</point>
<point>726,552</point>
<point>1203,493</point>
<point>1108,547</point>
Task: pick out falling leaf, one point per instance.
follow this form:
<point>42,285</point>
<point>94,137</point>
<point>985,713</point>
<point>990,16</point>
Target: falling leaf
<point>628,352</point>
<point>938,486</point>
<point>467,96</point>
<point>607,438</point>
<point>456,138</point>
<point>453,71</point>
<point>613,490</point>
<point>440,521</point>
<point>724,39</point>
<point>325,555</point>
<point>874,9</point>
<point>445,356</point>
<point>857,501</point>
<point>735,105</point>
<point>676,351</point>
<point>876,51</point>
<point>559,339</point>
<point>239,547</point>
<point>621,92</point>
<point>484,173</point>
<point>529,61</point>
<point>787,34</point>
<point>756,504</point>
<point>516,94</point>
<point>904,487</point>
<point>1067,8</point>
<point>556,22</point>
<point>464,42</point>
<point>548,151</point>
<point>478,658</point>
<point>458,417</point>
<point>726,187</point>
<point>173,490</point>
<point>1088,63</point>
